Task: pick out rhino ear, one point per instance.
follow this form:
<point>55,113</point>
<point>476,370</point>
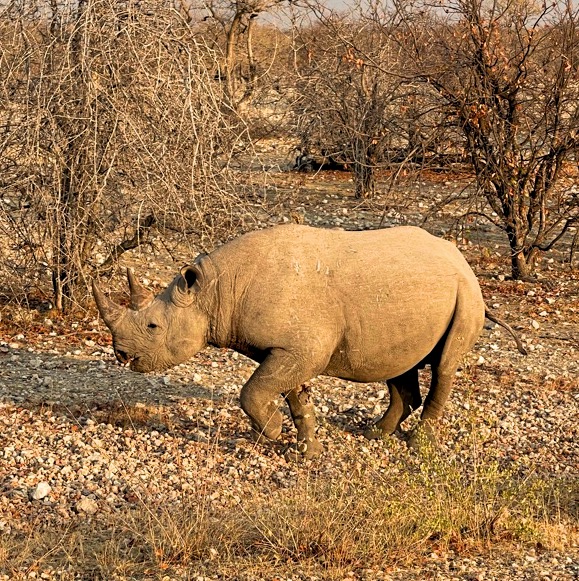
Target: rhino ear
<point>186,286</point>
<point>190,276</point>
<point>110,311</point>
<point>140,296</point>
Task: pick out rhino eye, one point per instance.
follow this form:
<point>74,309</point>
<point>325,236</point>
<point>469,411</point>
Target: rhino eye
<point>153,326</point>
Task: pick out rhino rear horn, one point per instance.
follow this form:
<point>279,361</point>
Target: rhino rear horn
<point>110,311</point>
<point>140,296</point>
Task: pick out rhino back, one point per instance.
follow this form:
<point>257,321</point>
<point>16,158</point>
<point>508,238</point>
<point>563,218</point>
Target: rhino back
<point>362,305</point>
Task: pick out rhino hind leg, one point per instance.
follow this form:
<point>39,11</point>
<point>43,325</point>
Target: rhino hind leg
<point>460,338</point>
<point>404,399</point>
<point>304,418</point>
<point>424,434</point>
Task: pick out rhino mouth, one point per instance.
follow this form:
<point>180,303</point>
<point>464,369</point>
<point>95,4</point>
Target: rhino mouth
<point>134,365</point>
<point>123,357</point>
<point>139,363</point>
<point>145,365</point>
<point>126,360</point>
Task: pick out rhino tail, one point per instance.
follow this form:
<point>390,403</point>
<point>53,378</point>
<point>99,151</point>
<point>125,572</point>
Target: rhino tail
<point>504,325</point>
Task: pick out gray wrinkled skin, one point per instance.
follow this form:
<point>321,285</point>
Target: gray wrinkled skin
<point>364,306</point>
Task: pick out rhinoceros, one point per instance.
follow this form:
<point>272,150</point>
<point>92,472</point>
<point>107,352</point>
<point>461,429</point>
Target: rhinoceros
<point>365,306</point>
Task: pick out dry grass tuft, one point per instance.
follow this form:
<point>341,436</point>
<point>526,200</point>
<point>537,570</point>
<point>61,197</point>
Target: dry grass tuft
<point>369,518</point>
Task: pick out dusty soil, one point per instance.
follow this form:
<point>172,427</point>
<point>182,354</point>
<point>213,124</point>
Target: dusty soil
<point>82,438</point>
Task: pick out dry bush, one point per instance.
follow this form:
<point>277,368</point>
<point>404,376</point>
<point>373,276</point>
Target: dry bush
<point>251,52</point>
<point>112,127</point>
<point>346,108</point>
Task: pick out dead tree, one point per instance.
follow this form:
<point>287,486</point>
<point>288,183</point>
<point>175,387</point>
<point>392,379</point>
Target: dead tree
<point>508,75</point>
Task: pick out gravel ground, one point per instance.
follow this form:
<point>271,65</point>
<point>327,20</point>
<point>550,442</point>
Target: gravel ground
<point>82,438</point>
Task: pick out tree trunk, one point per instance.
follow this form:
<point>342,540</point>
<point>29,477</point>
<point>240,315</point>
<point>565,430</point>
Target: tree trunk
<point>66,271</point>
<point>521,267</point>
<point>71,233</point>
<point>364,166</point>
<point>230,58</point>
<point>523,260</point>
<point>365,181</point>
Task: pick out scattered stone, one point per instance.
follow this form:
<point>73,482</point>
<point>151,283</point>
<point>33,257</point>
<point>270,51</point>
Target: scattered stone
<point>40,491</point>
<point>87,505</point>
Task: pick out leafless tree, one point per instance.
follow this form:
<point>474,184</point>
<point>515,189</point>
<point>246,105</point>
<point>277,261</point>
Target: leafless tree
<point>507,72</point>
<point>111,125</point>
<point>232,26</point>
<point>354,103</point>
<point>345,104</point>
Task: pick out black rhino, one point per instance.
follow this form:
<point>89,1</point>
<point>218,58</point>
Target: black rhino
<point>364,306</point>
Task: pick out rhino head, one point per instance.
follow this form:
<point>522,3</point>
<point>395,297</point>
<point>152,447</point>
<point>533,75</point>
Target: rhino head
<point>157,332</point>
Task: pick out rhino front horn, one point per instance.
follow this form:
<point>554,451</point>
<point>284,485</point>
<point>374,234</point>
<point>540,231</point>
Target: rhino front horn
<point>140,296</point>
<point>110,311</point>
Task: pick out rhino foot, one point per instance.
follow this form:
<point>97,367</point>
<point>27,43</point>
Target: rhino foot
<point>303,451</point>
<point>268,433</point>
<point>375,433</point>
<point>423,437</point>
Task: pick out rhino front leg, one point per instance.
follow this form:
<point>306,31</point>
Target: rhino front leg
<point>279,373</point>
<point>404,398</point>
<point>304,417</point>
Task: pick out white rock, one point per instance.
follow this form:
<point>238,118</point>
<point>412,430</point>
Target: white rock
<point>87,505</point>
<point>41,490</point>
<point>535,324</point>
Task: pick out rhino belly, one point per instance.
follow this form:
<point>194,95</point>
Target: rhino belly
<point>375,352</point>
<point>391,361</point>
